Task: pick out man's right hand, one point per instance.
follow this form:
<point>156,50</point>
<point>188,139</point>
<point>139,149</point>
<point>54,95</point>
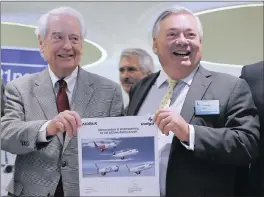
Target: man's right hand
<point>67,121</point>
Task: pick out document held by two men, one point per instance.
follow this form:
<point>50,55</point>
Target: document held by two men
<point>118,156</point>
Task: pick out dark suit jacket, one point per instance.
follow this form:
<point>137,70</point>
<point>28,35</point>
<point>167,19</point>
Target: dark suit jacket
<point>254,75</point>
<point>222,142</point>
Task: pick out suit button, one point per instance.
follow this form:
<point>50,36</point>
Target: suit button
<point>48,195</point>
<point>64,164</point>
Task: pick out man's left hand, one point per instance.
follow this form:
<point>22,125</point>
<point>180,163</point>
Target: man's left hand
<point>167,121</point>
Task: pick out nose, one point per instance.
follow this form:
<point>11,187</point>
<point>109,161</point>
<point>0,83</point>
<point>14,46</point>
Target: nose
<point>67,44</point>
<point>126,79</point>
<point>181,40</point>
<point>124,73</point>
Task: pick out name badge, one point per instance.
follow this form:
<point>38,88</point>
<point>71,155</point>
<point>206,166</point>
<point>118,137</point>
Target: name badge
<point>207,107</point>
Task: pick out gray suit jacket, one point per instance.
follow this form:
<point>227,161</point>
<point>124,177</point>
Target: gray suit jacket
<point>30,103</point>
<point>223,142</point>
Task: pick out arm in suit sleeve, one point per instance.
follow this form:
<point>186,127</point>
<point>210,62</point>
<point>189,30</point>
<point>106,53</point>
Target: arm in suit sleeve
<point>117,107</point>
<point>17,135</point>
<point>237,141</point>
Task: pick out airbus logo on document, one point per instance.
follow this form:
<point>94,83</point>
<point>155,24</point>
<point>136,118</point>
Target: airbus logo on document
<point>90,123</point>
<point>149,123</point>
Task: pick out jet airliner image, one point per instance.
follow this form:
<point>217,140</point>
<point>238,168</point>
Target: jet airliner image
<point>138,169</point>
<point>104,171</point>
<point>124,153</point>
<point>104,146</point>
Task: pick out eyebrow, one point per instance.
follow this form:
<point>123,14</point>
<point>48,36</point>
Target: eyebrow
<point>177,29</point>
<point>75,35</point>
<point>57,33</point>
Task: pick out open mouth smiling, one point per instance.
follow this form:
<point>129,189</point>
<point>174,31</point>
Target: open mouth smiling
<point>65,56</point>
<point>181,53</point>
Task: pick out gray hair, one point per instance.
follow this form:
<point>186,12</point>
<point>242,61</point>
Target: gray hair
<point>43,20</point>
<point>175,10</point>
<point>145,60</point>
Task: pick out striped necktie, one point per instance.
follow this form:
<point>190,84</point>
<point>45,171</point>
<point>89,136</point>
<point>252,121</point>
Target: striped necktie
<point>166,101</point>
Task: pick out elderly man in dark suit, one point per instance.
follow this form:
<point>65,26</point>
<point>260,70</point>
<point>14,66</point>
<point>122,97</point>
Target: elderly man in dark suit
<point>254,75</point>
<point>207,120</point>
<point>44,110</point>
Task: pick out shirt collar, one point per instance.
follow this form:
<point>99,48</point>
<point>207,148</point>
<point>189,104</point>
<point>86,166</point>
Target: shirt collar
<point>70,80</point>
<point>163,77</point>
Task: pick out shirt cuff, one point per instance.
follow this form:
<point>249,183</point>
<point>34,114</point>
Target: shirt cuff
<point>42,133</point>
<point>190,145</point>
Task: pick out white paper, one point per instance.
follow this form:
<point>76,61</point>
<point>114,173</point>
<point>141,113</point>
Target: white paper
<point>118,156</point>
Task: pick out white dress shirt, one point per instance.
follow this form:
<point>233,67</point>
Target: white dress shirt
<point>70,80</point>
<point>150,106</point>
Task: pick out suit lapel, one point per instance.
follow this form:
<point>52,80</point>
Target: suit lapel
<point>45,95</point>
<point>82,94</point>
<point>141,93</point>
<point>200,83</point>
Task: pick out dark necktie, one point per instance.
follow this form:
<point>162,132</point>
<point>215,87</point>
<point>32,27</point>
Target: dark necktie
<point>62,98</point>
<point>62,105</point>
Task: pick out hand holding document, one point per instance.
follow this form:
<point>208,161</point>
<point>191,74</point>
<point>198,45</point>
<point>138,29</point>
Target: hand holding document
<point>118,156</point>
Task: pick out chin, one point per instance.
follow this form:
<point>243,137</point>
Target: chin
<point>186,63</point>
<point>127,88</point>
<point>67,65</point>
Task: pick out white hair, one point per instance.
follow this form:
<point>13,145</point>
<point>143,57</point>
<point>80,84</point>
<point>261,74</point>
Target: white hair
<point>145,60</point>
<point>43,20</point>
<point>175,10</point>
<point>42,26</point>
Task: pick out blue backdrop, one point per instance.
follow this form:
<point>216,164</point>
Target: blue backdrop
<point>16,62</point>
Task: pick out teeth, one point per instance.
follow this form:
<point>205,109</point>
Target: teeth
<point>181,53</point>
<point>65,55</point>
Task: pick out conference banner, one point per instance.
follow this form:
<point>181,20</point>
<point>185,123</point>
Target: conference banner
<point>16,62</point>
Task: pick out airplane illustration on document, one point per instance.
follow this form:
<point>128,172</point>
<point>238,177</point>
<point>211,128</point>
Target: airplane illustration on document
<point>104,146</point>
<point>104,171</point>
<point>138,169</point>
<point>124,153</point>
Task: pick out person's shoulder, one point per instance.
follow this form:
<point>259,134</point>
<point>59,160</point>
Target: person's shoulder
<point>225,82</point>
<point>223,78</point>
<point>253,71</point>
<point>25,80</point>
<point>226,77</point>
<point>99,80</point>
<point>255,65</point>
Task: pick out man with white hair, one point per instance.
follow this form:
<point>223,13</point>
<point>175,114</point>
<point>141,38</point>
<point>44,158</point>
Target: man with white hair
<point>44,110</point>
<point>134,64</point>
<point>207,120</point>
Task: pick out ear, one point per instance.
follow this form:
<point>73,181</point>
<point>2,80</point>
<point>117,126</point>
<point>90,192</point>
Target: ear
<point>154,46</point>
<point>81,51</point>
<point>41,44</point>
